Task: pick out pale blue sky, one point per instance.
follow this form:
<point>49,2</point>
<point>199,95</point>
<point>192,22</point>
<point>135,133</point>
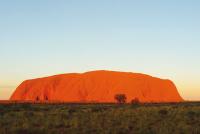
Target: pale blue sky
<point>46,37</point>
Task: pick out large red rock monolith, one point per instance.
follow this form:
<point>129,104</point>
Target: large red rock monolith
<point>97,86</point>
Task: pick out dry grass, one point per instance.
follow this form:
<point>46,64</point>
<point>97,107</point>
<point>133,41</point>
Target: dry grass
<point>27,118</point>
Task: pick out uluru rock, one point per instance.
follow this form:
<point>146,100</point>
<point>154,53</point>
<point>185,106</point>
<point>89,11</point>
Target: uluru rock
<point>97,86</point>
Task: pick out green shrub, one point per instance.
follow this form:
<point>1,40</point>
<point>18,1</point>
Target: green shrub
<point>163,112</point>
<point>191,114</point>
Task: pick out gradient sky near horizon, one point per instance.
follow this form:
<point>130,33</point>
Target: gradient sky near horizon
<point>46,37</point>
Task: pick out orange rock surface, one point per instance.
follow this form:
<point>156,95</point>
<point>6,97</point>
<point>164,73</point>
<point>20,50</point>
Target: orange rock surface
<point>97,86</point>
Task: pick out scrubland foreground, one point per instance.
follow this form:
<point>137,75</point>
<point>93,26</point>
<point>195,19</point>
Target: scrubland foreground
<point>179,118</point>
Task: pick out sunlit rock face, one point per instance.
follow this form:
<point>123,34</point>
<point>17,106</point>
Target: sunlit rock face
<point>97,86</point>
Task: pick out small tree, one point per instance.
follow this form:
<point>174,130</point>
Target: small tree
<point>135,102</point>
<point>120,98</point>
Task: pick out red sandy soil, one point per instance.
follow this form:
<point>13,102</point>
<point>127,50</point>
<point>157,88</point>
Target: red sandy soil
<point>97,86</point>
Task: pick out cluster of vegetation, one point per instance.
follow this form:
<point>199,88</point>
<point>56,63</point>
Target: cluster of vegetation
<point>180,118</point>
<point>121,99</point>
